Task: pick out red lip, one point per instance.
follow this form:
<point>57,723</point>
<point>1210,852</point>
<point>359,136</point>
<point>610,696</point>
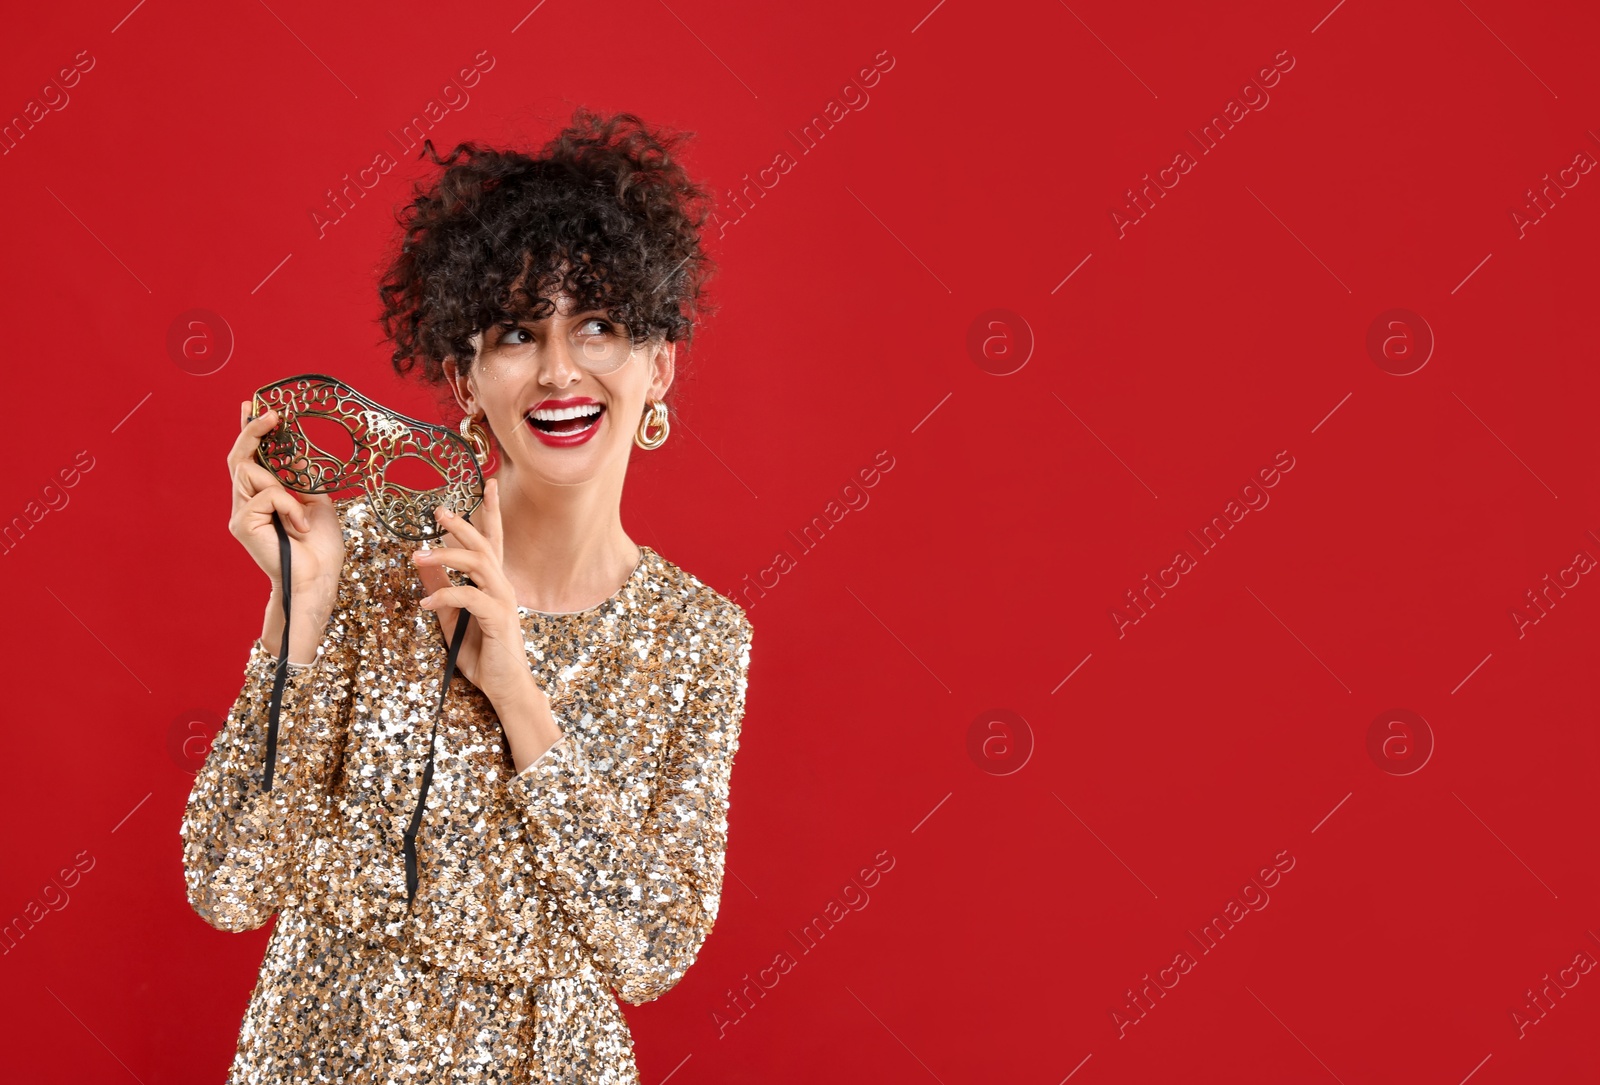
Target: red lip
<point>564,440</point>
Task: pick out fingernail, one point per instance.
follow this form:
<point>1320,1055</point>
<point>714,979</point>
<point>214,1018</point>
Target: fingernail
<point>445,512</point>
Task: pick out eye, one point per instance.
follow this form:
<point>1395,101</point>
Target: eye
<point>509,330</point>
<point>606,327</point>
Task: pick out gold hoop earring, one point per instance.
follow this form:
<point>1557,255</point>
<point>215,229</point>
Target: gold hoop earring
<point>476,436</point>
<point>654,418</point>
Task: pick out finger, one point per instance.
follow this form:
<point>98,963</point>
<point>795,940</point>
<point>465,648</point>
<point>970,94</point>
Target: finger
<point>262,422</point>
<point>249,439</point>
<point>483,569</point>
<point>477,565</point>
<point>461,529</point>
<point>281,501</point>
<point>448,616</point>
<point>251,478</point>
<point>464,597</point>
<point>433,577</point>
<point>488,515</point>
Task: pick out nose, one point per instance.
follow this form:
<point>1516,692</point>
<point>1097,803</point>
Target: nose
<point>558,364</point>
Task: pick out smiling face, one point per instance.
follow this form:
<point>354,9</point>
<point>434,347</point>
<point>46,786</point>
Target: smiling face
<point>563,394</point>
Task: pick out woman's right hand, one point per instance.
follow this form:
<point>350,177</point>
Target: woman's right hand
<point>316,540</point>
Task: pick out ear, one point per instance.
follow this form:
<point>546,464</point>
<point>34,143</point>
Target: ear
<point>461,384</point>
<point>663,362</point>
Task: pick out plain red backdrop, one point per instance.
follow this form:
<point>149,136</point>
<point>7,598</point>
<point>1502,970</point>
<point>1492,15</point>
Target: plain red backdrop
<point>1160,769</point>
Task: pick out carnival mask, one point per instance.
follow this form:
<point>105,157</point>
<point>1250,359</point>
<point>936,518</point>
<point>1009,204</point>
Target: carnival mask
<point>382,441</point>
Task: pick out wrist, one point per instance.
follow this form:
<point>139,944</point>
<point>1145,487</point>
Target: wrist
<point>529,726</point>
<point>307,627</point>
<point>321,588</point>
<point>527,699</point>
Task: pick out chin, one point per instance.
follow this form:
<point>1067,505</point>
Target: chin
<point>564,466</point>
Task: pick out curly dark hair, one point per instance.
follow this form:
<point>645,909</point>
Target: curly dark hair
<point>607,199</point>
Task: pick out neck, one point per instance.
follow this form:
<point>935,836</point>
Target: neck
<point>565,547</point>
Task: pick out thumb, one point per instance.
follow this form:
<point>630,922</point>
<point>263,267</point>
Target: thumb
<point>319,507</point>
<point>433,577</point>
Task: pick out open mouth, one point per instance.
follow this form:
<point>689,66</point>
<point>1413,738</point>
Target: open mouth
<point>566,421</point>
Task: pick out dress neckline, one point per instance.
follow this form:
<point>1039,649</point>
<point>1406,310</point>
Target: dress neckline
<point>633,578</point>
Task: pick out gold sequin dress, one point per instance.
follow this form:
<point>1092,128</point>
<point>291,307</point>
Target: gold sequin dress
<point>597,869</point>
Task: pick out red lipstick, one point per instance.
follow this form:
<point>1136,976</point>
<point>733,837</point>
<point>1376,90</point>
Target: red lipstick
<point>566,432</point>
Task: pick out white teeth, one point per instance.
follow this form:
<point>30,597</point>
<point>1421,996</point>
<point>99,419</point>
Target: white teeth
<point>566,412</point>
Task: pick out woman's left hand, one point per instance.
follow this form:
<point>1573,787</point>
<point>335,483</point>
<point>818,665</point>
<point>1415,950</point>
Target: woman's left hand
<point>493,655</point>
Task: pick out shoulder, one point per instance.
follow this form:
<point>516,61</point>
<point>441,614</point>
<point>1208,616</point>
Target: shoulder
<point>709,621</point>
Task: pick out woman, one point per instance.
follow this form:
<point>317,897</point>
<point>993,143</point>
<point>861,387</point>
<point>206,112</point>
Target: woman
<point>572,840</point>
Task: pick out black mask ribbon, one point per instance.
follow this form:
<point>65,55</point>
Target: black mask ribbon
<point>380,437</point>
<point>275,708</point>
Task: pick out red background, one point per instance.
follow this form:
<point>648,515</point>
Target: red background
<point>1227,726</point>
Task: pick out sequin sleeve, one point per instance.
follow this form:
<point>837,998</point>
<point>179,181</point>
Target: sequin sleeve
<point>239,841</point>
<point>643,891</point>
